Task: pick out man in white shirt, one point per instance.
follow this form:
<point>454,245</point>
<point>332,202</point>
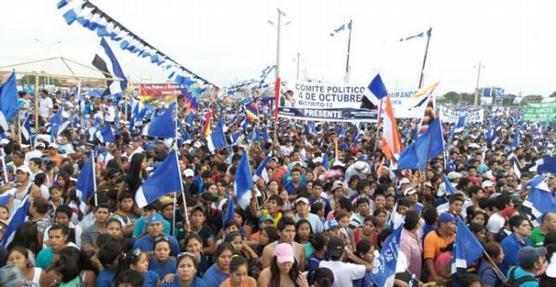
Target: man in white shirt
<point>344,273</point>
<point>302,207</point>
<point>45,105</point>
<point>109,112</point>
<point>496,221</point>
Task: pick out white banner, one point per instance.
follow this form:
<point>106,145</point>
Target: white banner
<point>405,106</point>
<point>327,102</point>
<point>448,115</point>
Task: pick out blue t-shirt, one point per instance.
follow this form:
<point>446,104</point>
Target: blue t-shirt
<point>162,268</point>
<point>511,246</point>
<point>44,258</point>
<point>151,278</point>
<point>197,282</point>
<point>519,272</point>
<point>140,227</point>
<point>146,243</point>
<point>214,277</point>
<point>104,278</point>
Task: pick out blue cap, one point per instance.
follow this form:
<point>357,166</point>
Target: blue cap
<point>331,224</point>
<point>153,218</point>
<point>266,218</point>
<point>446,217</point>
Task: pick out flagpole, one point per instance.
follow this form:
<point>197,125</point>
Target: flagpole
<point>37,101</point>
<point>94,177</point>
<point>429,33</point>
<point>277,83</point>
<point>348,50</point>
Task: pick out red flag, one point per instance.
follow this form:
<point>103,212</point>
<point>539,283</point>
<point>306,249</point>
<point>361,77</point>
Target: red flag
<point>276,97</point>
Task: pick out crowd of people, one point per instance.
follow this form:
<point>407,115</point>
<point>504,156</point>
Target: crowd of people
<point>319,217</point>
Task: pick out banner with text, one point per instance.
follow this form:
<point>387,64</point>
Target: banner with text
<point>165,92</point>
<point>326,102</point>
<point>405,106</point>
<point>448,115</point>
<point>540,112</point>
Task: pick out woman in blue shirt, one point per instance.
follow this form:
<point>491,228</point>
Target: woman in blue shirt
<point>161,262</point>
<point>220,270</point>
<point>186,273</point>
<point>137,260</point>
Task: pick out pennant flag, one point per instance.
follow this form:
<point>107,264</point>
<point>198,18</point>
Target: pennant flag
<point>261,172</point>
<point>230,215</point>
<point>109,69</point>
<point>243,182</point>
<point>206,126</point>
<point>217,139</point>
<point>17,218</point>
<point>419,35</point>
<point>166,178</point>
<point>546,165</point>
<point>384,272</point>
<point>391,141</point>
<point>341,28</point>
<point>539,198</point>
<point>377,87</point>
<point>425,91</point>
<point>62,3</point>
<point>56,125</point>
<point>164,126</point>
<point>5,198</point>
<point>516,139</point>
<point>450,189</point>
<point>467,249</point>
<point>86,183</point>
<point>8,101</point>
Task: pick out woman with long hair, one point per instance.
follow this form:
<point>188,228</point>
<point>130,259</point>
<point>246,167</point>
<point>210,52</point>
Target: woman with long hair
<point>220,270</point>
<point>138,260</point>
<point>303,233</point>
<point>283,270</point>
<point>27,236</point>
<point>238,274</point>
<point>19,257</point>
<point>137,172</point>
<point>194,244</point>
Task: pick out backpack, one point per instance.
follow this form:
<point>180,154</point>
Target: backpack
<point>512,282</point>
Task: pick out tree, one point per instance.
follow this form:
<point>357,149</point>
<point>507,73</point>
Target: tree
<point>553,95</point>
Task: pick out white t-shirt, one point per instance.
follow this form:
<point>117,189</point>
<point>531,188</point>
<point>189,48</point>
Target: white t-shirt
<point>344,273</point>
<point>110,114</point>
<point>495,223</point>
<point>44,105</point>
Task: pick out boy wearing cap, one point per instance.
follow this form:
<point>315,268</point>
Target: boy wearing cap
<point>531,261</point>
<point>436,241</point>
<point>344,273</point>
<point>302,212</point>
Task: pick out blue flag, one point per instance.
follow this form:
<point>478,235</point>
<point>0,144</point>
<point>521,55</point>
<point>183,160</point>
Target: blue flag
<point>449,187</point>
<point>428,145</point>
<point>55,125</point>
<point>17,218</point>
<point>106,134</point>
<point>164,126</point>
<point>325,161</point>
<point>243,182</point>
<point>547,165</point>
<point>5,198</point>
<point>116,68</point>
<point>166,178</point>
<point>230,215</point>
<point>261,172</point>
<point>217,138</point>
<point>9,98</point>
<point>86,183</point>
<point>467,249</point>
<point>377,87</point>
<point>384,272</point>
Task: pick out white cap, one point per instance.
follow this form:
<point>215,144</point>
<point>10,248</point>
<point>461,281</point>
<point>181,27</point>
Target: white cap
<point>39,144</point>
<point>188,173</point>
<point>410,191</point>
<point>474,145</point>
<point>302,199</point>
<point>54,145</point>
<point>404,181</point>
<point>487,183</point>
<point>25,169</point>
<point>4,141</point>
<point>317,160</point>
<point>197,145</point>
<point>454,175</point>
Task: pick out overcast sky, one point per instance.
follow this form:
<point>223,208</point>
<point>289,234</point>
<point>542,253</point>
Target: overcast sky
<point>229,41</point>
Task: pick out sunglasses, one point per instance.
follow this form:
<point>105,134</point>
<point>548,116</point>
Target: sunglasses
<point>187,254</point>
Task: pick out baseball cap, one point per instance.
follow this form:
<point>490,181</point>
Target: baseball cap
<point>154,218</point>
<point>337,184</point>
<point>410,191</point>
<point>404,181</point>
<point>317,160</point>
<point>487,183</point>
<point>266,218</point>
<point>335,246</point>
<point>39,145</point>
<point>331,224</point>
<point>527,256</point>
<point>446,217</point>
<point>302,199</point>
<point>24,169</point>
<point>453,175</point>
<point>53,145</point>
<point>188,173</point>
<point>284,253</point>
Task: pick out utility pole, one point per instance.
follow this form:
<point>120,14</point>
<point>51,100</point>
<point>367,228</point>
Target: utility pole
<point>297,74</point>
<point>429,34</point>
<point>277,72</point>
<point>350,26</point>
<point>476,101</point>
